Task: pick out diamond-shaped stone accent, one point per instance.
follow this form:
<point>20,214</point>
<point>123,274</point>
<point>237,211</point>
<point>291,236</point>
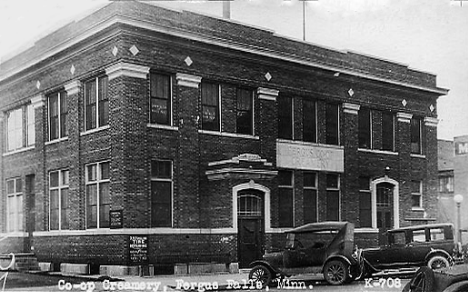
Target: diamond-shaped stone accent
<point>188,61</point>
<point>72,69</point>
<point>432,108</point>
<point>268,76</point>
<point>404,102</point>
<point>134,50</point>
<point>351,92</point>
<point>38,84</point>
<point>115,51</point>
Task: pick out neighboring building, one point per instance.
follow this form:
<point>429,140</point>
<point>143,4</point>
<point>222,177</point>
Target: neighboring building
<point>453,180</point>
<point>143,134</point>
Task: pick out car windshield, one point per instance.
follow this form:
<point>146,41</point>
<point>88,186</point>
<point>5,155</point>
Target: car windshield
<point>310,239</point>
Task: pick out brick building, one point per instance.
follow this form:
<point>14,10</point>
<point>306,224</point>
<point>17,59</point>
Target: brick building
<point>191,138</point>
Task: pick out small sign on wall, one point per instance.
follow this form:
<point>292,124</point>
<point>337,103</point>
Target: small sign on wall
<point>116,219</point>
<point>138,249</point>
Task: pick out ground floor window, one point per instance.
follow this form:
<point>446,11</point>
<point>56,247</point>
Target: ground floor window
<point>286,198</point>
<point>59,203</point>
<point>161,193</point>
<point>310,197</point>
<point>365,202</point>
<point>97,195</point>
<point>14,205</point>
<point>333,197</point>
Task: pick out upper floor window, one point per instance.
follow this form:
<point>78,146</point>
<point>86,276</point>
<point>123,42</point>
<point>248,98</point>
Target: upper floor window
<point>160,100</point>
<point>309,120</point>
<point>388,131</point>
<point>59,203</point>
<point>58,113</point>
<point>332,124</point>
<point>244,109</point>
<point>285,117</point>
<point>14,205</point>
<point>286,198</point>
<point>161,193</point>
<point>97,195</point>
<point>365,128</point>
<point>446,184</point>
<point>416,194</point>
<point>374,124</point>
<point>20,126</point>
<point>416,145</point>
<point>96,105</point>
<point>210,107</point>
<point>310,197</point>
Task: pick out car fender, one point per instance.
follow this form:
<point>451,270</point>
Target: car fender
<point>266,264</point>
<point>438,252</point>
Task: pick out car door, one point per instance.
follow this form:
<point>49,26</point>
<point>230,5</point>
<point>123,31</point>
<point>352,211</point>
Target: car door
<point>418,246</point>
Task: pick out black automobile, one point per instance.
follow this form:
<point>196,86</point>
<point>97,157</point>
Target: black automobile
<point>451,279</point>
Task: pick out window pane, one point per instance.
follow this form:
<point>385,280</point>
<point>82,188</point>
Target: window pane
<point>416,135</point>
<point>333,205</point>
<point>161,169</point>
<point>364,183</point>
<point>15,129</point>
<point>90,105</point>
<point>332,181</point>
<point>365,209</point>
<point>309,179</point>
<point>415,186</point>
<point>387,131</point>
<point>161,204</point>
<point>244,111</point>
<point>160,86</point>
<point>104,170</point>
<point>285,118</point>
<point>10,186</point>
<point>332,124</point>
<point>364,128</point>
<point>53,117</point>
<point>416,201</point>
<point>91,212</point>
<point>309,120</point>
<point>31,125</point>
<point>18,185</point>
<point>103,101</point>
<point>54,179</point>
<point>286,206</point>
<point>160,111</point>
<point>310,206</point>
<point>285,178</point>
<point>92,172</point>
<point>54,210</point>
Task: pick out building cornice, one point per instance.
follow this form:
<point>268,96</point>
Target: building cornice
<point>267,93</point>
<point>119,19</point>
<point>73,87</point>
<point>351,108</point>
<point>127,69</point>
<point>404,117</point>
<point>188,80</point>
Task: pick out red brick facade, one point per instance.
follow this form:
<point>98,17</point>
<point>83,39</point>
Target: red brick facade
<point>210,169</point>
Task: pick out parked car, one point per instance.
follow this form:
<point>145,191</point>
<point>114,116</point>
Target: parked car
<point>325,247</point>
<point>432,245</point>
<point>451,279</point>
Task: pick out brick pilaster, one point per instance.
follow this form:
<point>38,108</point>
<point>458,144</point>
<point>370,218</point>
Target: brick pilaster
<point>403,142</point>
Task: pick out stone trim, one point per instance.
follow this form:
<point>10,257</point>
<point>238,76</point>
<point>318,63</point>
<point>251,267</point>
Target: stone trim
<point>404,117</point>
<point>188,80</point>
<point>267,93</point>
<point>37,101</point>
<point>351,108</point>
<point>127,69</point>
<point>431,122</point>
<point>73,87</point>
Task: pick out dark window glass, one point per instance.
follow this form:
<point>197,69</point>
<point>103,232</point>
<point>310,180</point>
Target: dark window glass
<point>63,114</point>
<point>54,116</point>
<point>364,128</point>
<point>286,199</point>
<point>333,197</point>
<point>96,103</point>
<point>310,179</point>
<point>332,181</point>
<point>244,120</point>
<point>161,193</point>
<point>285,178</point>
<point>332,124</point>
<point>416,135</point>
<point>210,107</point>
<point>90,105</point>
<point>309,120</point>
<point>310,197</point>
<point>160,102</point>
<point>103,99</point>
<point>364,183</point>
<point>285,118</point>
<point>388,132</point>
<point>365,207</point>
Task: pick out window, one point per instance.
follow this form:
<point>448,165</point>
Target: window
<point>244,121</point>
<point>332,124</point>
<point>365,205</point>
<point>416,194</point>
<point>446,184</point>
<point>309,120</point>
<point>249,205</point>
<point>14,205</point>
<point>310,197</point>
<point>21,130</point>
<point>210,107</point>
<point>388,131</point>
<point>161,193</point>
<point>58,112</point>
<point>97,195</point>
<point>285,117</point>
<point>333,197</point>
<point>286,198</point>
<point>365,128</point>
<point>416,147</point>
<point>419,235</point>
<point>96,103</point>
<point>437,234</point>
<point>59,204</point>
<point>160,100</point>
<point>398,238</point>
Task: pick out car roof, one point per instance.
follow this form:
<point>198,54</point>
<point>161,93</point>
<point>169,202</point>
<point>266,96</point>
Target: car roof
<point>436,225</point>
<point>319,226</point>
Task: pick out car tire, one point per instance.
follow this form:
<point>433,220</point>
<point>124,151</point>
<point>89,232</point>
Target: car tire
<point>261,274</point>
<point>336,272</point>
<point>438,262</point>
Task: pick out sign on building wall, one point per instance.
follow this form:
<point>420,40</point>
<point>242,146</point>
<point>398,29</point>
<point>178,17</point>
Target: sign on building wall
<point>138,249</point>
<point>116,219</point>
<point>307,157</point>
<point>461,148</point>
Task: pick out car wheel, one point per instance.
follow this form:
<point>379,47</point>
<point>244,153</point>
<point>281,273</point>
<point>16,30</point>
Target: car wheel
<point>438,262</point>
<point>336,272</point>
<point>260,274</point>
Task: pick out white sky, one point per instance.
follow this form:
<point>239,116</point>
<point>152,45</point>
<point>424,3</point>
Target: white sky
<point>428,35</point>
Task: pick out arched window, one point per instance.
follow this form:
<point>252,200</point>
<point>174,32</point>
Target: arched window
<point>249,205</point>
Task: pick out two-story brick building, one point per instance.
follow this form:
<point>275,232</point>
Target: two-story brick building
<point>143,134</point>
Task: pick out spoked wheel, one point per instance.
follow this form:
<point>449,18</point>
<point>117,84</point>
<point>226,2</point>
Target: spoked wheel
<point>336,272</point>
<point>260,274</point>
<point>438,262</point>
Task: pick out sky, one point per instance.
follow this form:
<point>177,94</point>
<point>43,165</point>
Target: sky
<point>427,35</point>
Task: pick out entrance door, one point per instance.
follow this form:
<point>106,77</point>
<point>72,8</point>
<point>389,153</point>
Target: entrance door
<point>250,226</point>
<point>384,210</point>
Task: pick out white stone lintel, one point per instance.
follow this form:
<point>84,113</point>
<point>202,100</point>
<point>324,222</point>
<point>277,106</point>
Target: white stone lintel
<point>351,108</point>
<point>431,122</point>
<point>73,87</point>
<point>404,117</point>
<point>188,80</point>
<point>127,69</point>
<point>267,93</point>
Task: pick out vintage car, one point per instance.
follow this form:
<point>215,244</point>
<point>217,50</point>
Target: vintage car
<point>432,245</point>
<point>324,247</point>
<point>451,279</point>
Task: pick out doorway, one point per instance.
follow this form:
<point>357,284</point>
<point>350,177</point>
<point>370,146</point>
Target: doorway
<point>384,206</point>
<point>250,225</point>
